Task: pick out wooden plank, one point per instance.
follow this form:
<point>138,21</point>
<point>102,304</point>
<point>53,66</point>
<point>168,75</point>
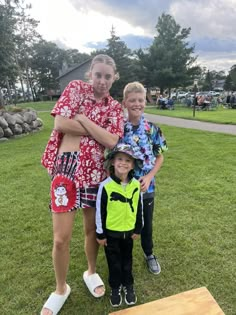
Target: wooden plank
<point>194,302</point>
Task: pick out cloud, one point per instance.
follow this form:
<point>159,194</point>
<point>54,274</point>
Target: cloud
<point>215,45</point>
<point>217,60</point>
<point>86,25</point>
<point>132,41</point>
<point>136,13</point>
<point>215,18</point>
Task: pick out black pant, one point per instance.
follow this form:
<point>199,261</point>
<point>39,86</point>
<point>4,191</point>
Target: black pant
<point>119,258</point>
<point>146,234</point>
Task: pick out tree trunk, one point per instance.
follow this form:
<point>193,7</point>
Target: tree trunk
<point>22,86</point>
<point>16,95</point>
<point>1,98</point>
<point>27,84</point>
<point>9,90</point>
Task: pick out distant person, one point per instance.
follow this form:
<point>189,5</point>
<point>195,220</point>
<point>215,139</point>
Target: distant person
<point>119,221</point>
<point>228,100</point>
<point>87,120</point>
<point>232,100</point>
<point>170,103</point>
<point>148,141</point>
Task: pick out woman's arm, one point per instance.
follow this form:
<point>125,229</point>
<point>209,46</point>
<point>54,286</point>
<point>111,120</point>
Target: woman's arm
<point>102,136</point>
<point>69,126</point>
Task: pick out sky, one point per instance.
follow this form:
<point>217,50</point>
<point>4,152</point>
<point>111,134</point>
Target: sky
<point>86,25</point>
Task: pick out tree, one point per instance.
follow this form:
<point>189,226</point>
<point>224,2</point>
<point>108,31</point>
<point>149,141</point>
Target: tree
<point>207,84</point>
<point>74,57</point>
<point>26,37</point>
<point>230,81</point>
<point>118,50</point>
<point>169,60</point>
<point>46,61</point>
<point>8,70</point>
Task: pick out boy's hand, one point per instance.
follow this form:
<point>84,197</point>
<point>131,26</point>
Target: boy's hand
<point>145,182</point>
<point>135,236</point>
<point>102,242</point>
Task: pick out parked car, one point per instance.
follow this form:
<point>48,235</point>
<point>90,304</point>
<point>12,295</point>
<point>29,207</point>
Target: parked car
<point>179,94</point>
<point>213,93</point>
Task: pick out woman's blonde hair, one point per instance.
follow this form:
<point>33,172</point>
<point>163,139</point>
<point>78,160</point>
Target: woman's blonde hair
<point>106,60</point>
<point>136,87</point>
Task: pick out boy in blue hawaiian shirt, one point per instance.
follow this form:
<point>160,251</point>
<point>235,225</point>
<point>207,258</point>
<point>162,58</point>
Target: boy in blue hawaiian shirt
<point>148,141</point>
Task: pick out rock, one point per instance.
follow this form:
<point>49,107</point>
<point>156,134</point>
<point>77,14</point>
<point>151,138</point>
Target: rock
<point>29,117</point>
<point>26,127</point>
<point>8,132</point>
<point>17,129</point>
<point>10,119</point>
<point>16,124</point>
<point>1,132</point>
<point>3,139</point>
<point>19,119</point>
<point>40,122</point>
<point>3,122</point>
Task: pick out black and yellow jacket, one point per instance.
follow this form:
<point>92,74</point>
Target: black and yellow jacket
<point>118,208</point>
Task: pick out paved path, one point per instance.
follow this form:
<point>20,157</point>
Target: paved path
<point>192,124</point>
<point>186,123</point>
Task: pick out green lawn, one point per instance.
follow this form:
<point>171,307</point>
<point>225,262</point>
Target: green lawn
<point>220,115</point>
<point>194,226</point>
<point>40,106</point>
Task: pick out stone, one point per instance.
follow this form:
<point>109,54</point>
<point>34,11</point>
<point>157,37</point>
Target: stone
<point>1,132</point>
<point>8,132</point>
<point>3,122</point>
<point>9,118</point>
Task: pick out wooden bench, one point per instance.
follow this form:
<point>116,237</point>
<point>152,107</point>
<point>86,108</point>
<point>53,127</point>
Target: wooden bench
<point>194,302</point>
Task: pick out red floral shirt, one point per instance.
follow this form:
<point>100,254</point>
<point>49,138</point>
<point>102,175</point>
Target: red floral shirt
<point>78,98</point>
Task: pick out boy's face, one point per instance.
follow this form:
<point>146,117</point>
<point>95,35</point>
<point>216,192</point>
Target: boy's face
<point>123,164</point>
<point>135,103</point>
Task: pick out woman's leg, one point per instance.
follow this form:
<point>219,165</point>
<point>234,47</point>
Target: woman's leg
<point>62,231</point>
<point>91,245</point>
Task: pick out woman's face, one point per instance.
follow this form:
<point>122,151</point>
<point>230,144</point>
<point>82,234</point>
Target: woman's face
<point>102,76</point>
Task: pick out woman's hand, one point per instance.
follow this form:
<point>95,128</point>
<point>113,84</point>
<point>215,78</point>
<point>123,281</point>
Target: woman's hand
<point>135,236</point>
<point>102,242</point>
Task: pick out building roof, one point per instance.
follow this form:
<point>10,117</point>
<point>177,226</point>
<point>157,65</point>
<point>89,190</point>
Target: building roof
<point>74,68</point>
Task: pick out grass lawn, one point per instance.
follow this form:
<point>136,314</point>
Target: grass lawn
<point>40,106</point>
<point>194,226</point>
<point>220,115</point>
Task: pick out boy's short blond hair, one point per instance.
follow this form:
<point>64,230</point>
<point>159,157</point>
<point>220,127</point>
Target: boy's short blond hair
<point>136,87</point>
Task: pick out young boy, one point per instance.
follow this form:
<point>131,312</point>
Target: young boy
<point>148,141</point>
<point>119,221</point>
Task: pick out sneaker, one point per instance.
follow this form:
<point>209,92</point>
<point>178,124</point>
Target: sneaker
<point>130,296</point>
<point>115,297</point>
<point>153,264</point>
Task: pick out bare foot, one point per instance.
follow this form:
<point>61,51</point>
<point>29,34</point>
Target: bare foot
<point>100,290</point>
<point>46,311</point>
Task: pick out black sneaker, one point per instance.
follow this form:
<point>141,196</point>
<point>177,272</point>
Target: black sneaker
<point>153,264</point>
<point>115,297</point>
<point>130,296</point>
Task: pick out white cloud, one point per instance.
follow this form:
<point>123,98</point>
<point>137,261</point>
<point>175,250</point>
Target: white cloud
<point>215,18</point>
<point>60,22</point>
<point>75,23</point>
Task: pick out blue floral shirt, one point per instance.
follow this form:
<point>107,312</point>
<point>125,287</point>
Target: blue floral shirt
<point>148,142</point>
